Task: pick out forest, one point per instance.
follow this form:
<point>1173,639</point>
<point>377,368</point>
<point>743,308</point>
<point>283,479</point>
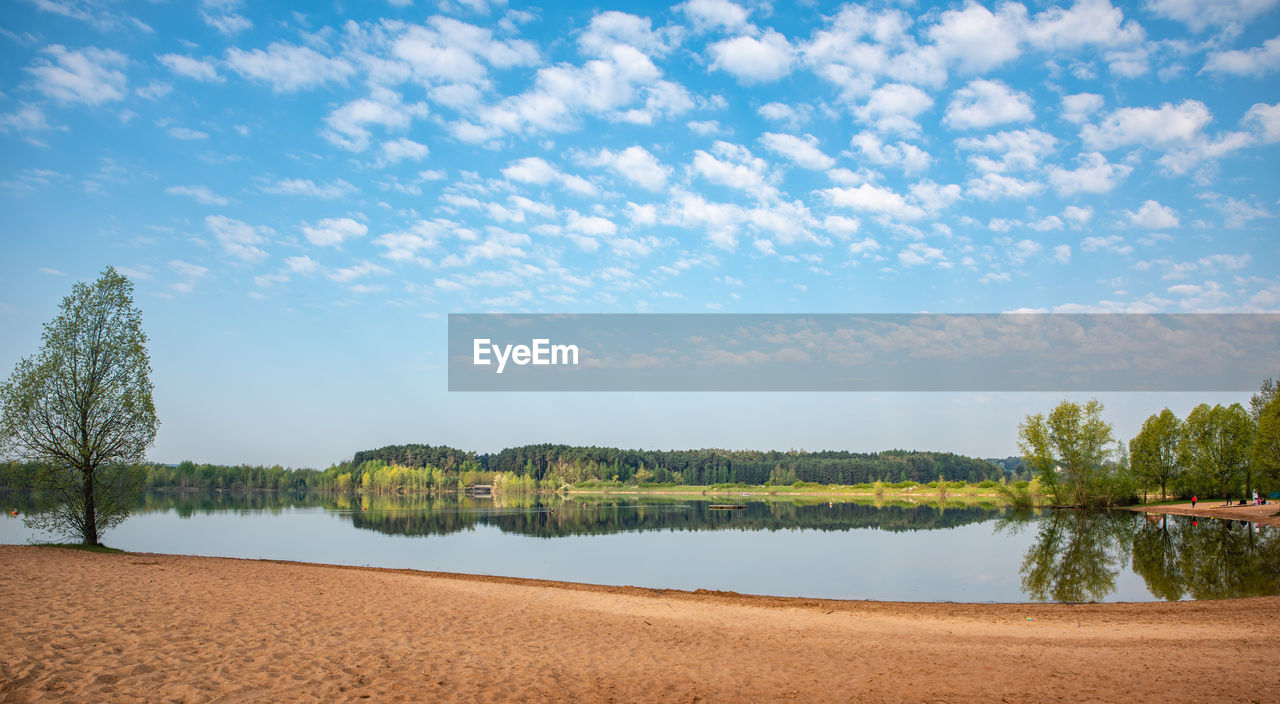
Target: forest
<point>417,467</point>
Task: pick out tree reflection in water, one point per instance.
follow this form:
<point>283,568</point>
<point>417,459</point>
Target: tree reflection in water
<point>1077,556</point>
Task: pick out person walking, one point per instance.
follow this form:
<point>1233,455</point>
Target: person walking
<point>1193,501</point>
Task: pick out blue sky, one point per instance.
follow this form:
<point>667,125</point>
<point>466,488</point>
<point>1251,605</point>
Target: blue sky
<point>301,195</point>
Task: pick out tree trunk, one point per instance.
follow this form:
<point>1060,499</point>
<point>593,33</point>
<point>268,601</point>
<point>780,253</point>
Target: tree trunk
<point>90,511</point>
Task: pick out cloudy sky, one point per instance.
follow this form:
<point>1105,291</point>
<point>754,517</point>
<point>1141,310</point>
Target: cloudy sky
<point>302,196</point>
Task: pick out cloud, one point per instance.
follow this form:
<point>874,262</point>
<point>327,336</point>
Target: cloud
<point>333,231</point>
<point>635,164</point>
<point>735,166</point>
<point>1094,175</point>
<point>27,118</point>
<point>752,60</point>
<point>223,16</point>
<point>537,171</point>
<point>893,108</point>
<point>1112,243</point>
<point>202,194</point>
<point>288,68</point>
<point>203,70</point>
<point>1062,254</point>
<point>994,186</point>
<point>1257,61</point>
<point>1158,127</point>
<point>1202,14</point>
<point>908,157</point>
<point>874,199</point>
<point>356,271</point>
<point>90,76</point>
<point>187,134</point>
<point>801,151</point>
<point>977,39</point>
<point>347,126</point>
<point>1264,120</point>
<point>306,187</point>
<point>238,239</point>
<point>1153,216</point>
<point>1078,107</point>
<point>919,253</point>
<point>984,103</point>
<point>708,15</point>
<point>1019,150</point>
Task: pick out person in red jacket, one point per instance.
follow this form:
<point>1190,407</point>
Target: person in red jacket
<point>1193,501</point>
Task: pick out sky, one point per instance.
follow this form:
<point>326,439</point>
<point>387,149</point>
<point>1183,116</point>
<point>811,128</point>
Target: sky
<point>302,194</point>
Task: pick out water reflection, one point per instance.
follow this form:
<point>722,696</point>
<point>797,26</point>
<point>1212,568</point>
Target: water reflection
<point>555,516</point>
<point>1078,555</point>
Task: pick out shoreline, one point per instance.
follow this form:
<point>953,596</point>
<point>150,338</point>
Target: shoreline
<point>1265,515</point>
<point>151,627</point>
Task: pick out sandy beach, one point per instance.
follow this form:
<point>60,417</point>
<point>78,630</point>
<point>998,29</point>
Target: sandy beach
<point>1263,515</point>
<point>81,626</point>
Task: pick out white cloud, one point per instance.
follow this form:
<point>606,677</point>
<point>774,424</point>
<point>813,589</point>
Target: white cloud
<point>704,128</point>
<point>866,247</point>
<point>306,187</point>
<point>611,29</point>
<point>977,39</point>
<point>187,134</point>
<point>333,231</point>
<point>874,199</point>
<point>27,118</point>
<point>908,157</point>
<point>347,126</point>
<point>786,114</point>
<point>91,76</point>
<point>1077,215</point>
<point>1085,23</point>
<point>1022,250</point>
<point>1158,127</point>
<point>223,16</point>
<point>1153,216</point>
<point>1078,107</point>
<point>918,253</point>
<point>1062,254</point>
<point>734,166</point>
<point>1112,243</point>
<point>994,186</point>
<point>1264,120</point>
<point>1095,175</point>
<point>288,68</point>
<point>984,103</point>
<point>590,225</point>
<point>404,245</point>
<point>893,108</point>
<point>198,69</point>
<point>395,151</point>
<point>1019,150</point>
<point>1257,61</point>
<point>238,239</point>
<point>803,152</point>
<point>635,164</point>
<point>715,15</point>
<point>356,271</point>
<point>1202,14</point>
<point>537,171</point>
<point>752,60</point>
<point>202,194</point>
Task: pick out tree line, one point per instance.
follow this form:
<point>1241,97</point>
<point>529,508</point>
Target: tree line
<point>1216,451</point>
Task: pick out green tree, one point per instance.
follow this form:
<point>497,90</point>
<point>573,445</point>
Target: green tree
<point>1266,442</point>
<point>82,408</point>
<point>1154,450</point>
<point>1068,450</point>
<point>1268,393</point>
<point>1216,445</point>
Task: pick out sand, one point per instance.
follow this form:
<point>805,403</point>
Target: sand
<point>1265,514</point>
<point>86,627</point>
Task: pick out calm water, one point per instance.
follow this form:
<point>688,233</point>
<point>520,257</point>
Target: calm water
<point>844,550</point>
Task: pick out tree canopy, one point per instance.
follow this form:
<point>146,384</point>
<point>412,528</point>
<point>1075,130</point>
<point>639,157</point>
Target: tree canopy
<point>81,409</point>
<point>1068,449</point>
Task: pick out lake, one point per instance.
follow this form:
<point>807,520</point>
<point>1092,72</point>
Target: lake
<point>891,550</point>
